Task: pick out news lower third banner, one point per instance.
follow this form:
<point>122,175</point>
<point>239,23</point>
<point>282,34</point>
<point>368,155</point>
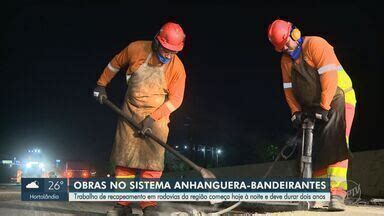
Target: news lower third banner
<point>44,189</point>
<point>192,190</point>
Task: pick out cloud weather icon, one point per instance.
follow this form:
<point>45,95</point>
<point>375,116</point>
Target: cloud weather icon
<point>32,185</point>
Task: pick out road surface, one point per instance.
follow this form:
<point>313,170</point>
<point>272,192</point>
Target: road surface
<point>11,205</point>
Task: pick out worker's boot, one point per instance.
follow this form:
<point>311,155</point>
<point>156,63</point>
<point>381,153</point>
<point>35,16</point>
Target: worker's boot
<point>120,210</point>
<point>150,211</point>
<point>336,203</point>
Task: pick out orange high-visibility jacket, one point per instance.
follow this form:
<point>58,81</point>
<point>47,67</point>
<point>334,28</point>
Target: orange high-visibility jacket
<point>319,54</point>
<point>133,56</point>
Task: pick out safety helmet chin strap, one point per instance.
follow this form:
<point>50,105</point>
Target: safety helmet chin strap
<point>296,53</point>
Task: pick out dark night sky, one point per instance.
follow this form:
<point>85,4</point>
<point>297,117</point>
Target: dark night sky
<point>51,55</point>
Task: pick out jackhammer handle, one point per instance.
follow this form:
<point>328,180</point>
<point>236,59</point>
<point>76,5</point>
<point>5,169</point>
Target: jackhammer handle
<point>309,115</point>
<point>150,135</point>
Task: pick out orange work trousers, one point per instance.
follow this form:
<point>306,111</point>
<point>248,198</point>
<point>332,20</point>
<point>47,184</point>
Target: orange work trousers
<point>125,172</point>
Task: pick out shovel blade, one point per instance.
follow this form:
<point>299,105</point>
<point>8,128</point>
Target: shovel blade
<point>207,174</point>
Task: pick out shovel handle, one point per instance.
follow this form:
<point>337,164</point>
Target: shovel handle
<point>150,135</point>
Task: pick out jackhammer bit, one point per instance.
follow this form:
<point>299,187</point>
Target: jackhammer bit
<point>306,155</point>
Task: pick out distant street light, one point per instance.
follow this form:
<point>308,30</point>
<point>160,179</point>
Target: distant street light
<point>218,152</point>
<point>41,165</point>
<point>203,150</point>
<point>29,165</point>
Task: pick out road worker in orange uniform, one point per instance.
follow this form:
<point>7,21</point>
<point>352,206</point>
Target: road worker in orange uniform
<point>315,82</point>
<point>156,80</point>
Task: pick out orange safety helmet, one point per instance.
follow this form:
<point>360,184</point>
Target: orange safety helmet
<point>278,33</point>
<point>171,36</point>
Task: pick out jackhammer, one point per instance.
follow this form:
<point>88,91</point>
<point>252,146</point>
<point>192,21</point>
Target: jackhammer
<point>306,148</point>
<point>305,164</point>
<point>308,125</point>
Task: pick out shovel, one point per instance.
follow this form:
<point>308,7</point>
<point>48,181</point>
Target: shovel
<point>204,172</point>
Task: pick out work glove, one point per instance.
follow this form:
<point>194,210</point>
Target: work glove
<point>100,93</point>
<point>322,114</point>
<point>297,119</point>
<point>147,125</point>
